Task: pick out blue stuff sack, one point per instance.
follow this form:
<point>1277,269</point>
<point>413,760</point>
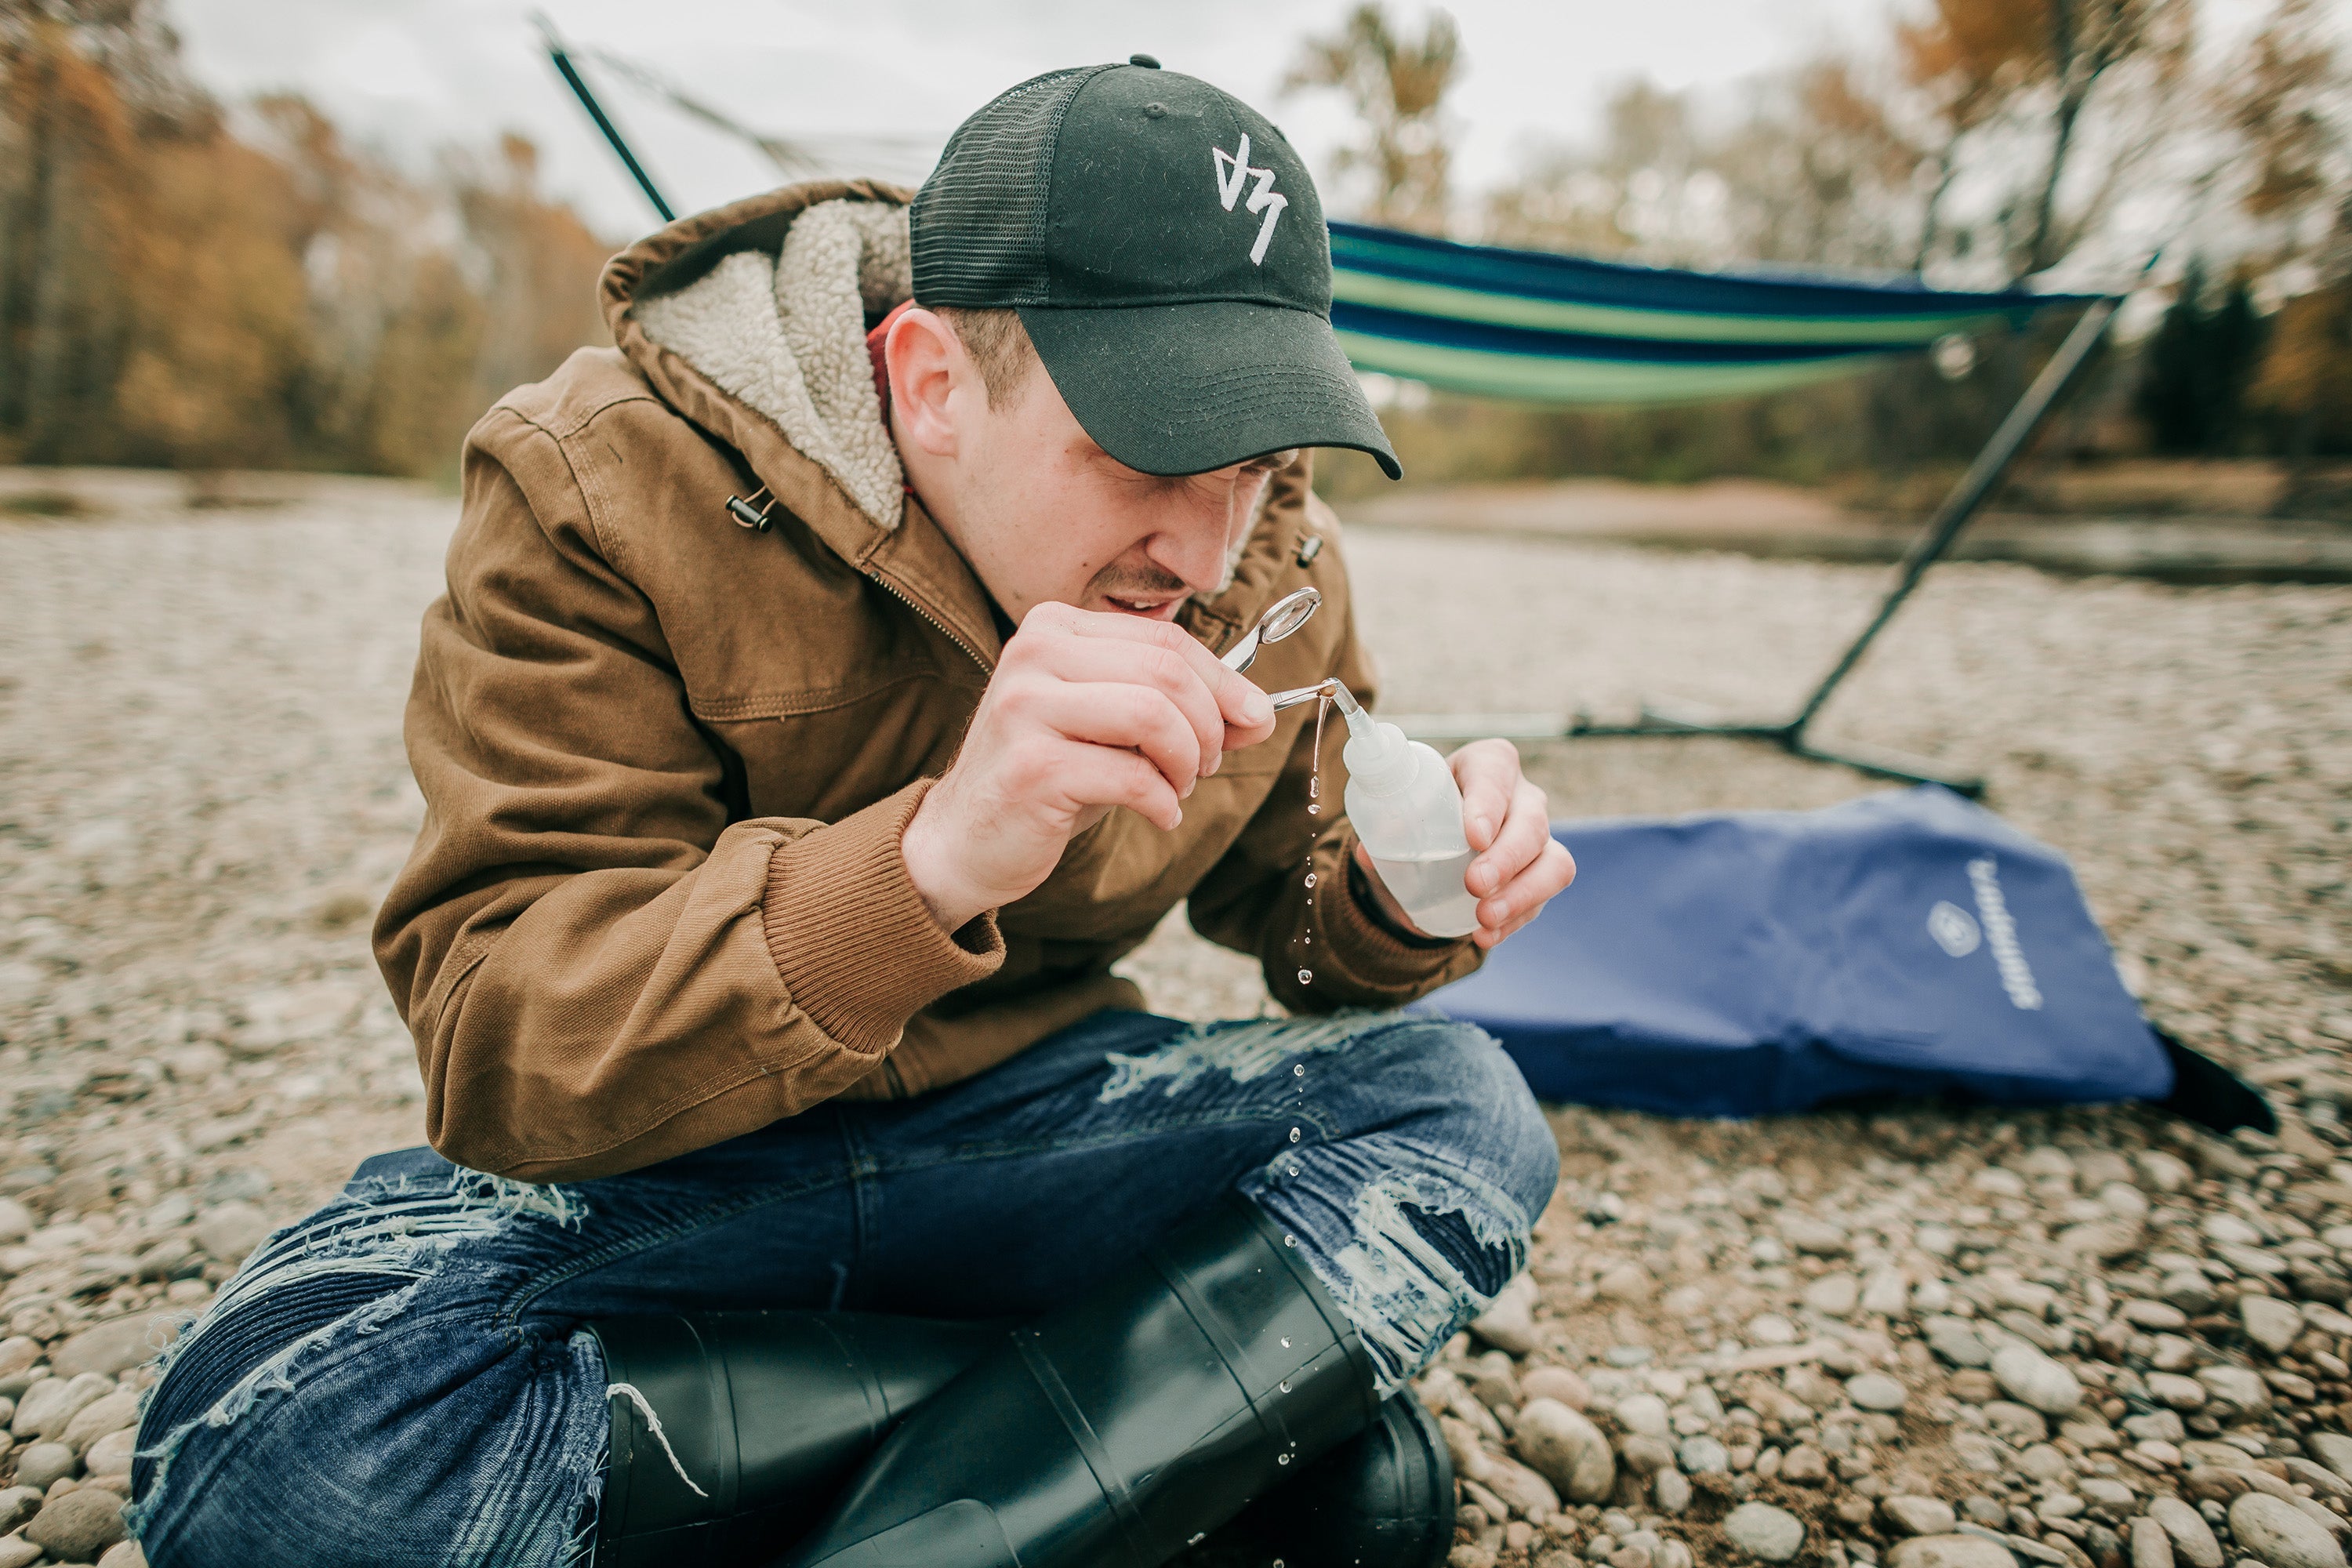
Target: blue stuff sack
<point>1902,944</point>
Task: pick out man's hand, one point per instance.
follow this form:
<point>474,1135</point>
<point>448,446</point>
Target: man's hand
<point>1518,866</point>
<point>1085,711</point>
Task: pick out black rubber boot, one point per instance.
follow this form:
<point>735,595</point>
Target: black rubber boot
<point>768,1412</point>
<point>1122,1429</point>
<point>1383,1500</point>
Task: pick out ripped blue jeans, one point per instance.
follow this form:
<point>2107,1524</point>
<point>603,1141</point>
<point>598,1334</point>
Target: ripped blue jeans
<point>402,1378</point>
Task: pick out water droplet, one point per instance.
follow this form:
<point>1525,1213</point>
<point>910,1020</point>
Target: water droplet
<point>1313,809</point>
<point>1286,1385</point>
<point>1282,1459</point>
<point>1286,1344</point>
<point>1294,1135</point>
<point>1298,1069</point>
<point>1294,1170</point>
<point>1289,1240</point>
<point>1310,878</point>
<point>1307,977</point>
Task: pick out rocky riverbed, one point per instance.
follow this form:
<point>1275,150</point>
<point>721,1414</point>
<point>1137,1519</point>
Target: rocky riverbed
<point>1924,1339</point>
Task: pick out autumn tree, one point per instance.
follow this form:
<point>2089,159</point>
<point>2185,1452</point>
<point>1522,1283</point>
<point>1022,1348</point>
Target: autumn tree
<point>1812,168</point>
<point>2290,100</point>
<point>173,291</point>
<point>2022,75</point>
<point>1396,87</point>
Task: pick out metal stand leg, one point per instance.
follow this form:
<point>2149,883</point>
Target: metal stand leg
<point>1983,477</point>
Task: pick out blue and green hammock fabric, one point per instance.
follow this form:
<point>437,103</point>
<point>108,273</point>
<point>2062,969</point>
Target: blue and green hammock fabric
<point>1537,327</point>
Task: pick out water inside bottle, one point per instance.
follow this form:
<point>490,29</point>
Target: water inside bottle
<point>1432,889</point>
<point>1314,809</point>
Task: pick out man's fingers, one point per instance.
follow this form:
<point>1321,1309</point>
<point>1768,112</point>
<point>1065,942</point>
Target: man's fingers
<point>1108,714</point>
<point>1487,773</point>
<point>1525,896</point>
<point>1525,831</point>
<point>1244,705</point>
<point>1098,775</point>
<point>1095,660</point>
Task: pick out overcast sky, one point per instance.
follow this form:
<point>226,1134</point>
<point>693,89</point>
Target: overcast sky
<point>407,74</point>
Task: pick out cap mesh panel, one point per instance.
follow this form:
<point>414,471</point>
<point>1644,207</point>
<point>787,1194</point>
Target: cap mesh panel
<point>978,226</point>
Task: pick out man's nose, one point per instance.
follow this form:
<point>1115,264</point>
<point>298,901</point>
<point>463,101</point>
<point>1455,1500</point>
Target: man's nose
<point>1193,549</point>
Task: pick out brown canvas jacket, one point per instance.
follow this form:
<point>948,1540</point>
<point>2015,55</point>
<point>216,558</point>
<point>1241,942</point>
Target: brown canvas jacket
<point>658,900</point>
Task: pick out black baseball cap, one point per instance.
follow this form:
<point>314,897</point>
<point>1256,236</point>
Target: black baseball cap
<point>1166,250</point>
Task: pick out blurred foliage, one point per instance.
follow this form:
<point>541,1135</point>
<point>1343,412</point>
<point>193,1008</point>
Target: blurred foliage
<point>1978,141</point>
<point>2195,368</point>
<point>1396,86</point>
<point>185,285</point>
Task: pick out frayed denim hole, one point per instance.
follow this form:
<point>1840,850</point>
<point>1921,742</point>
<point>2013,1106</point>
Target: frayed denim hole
<point>1485,1267</point>
<point>230,1347</point>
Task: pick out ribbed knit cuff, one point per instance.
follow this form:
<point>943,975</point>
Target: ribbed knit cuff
<point>858,949</point>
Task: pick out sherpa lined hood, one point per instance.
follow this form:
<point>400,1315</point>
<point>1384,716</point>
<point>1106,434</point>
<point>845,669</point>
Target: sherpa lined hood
<point>769,299</point>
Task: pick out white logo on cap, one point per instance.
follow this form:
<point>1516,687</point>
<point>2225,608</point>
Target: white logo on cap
<point>1232,168</point>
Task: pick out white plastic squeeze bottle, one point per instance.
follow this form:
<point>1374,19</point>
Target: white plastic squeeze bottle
<point>1406,808</point>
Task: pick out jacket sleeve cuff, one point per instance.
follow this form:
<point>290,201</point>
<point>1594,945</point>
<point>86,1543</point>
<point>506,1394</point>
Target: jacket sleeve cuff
<point>859,950</point>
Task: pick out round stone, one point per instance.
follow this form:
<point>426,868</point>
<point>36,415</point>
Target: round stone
<point>230,1231</point>
<point>2193,1539</point>
<point>1555,1383</point>
<point>113,1348</point>
<point>1770,1329</point>
<point>95,1420</point>
<point>2155,1317</point>
<point>1627,1281</point>
<point>2236,1389</point>
<point>2175,1392</point>
<point>2032,1378</point>
<point>43,1464</point>
<point>1949,1551</point>
<point>15,1551</point>
<point>2269,1322</point>
<point>79,1525</point>
<point>111,1455</point>
<point>1773,1534</point>
<point>2150,1547</point>
<point>1566,1449</point>
<point>1703,1455</point>
<point>2332,1449</point>
<point>1833,1295</point>
<point>1918,1515</point>
<point>1806,1466</point>
<point>1818,1237</point>
<point>1875,1390</point>
<point>2017,1423</point>
<point>1670,1490</point>
<point>17,1504</point>
<point>1645,1413</point>
<point>1956,1342</point>
<point>1645,1455</point>
<point>2281,1534</point>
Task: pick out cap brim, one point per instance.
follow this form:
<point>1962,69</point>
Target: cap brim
<point>1182,389</point>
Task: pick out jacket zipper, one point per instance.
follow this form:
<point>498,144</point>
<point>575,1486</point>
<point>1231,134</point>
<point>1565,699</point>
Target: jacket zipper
<point>938,625</point>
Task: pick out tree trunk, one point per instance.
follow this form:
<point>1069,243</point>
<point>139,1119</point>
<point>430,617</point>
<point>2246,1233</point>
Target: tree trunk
<point>2064,43</point>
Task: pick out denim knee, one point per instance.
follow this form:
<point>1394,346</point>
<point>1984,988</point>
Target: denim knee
<point>1486,1114</point>
<point>1417,1207</point>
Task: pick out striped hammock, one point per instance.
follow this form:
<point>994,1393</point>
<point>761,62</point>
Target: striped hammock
<point>1541,328</point>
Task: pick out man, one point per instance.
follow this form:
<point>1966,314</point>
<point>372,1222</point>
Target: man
<point>758,943</point>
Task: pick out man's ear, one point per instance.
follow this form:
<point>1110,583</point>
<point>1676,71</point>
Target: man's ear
<point>933,381</point>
